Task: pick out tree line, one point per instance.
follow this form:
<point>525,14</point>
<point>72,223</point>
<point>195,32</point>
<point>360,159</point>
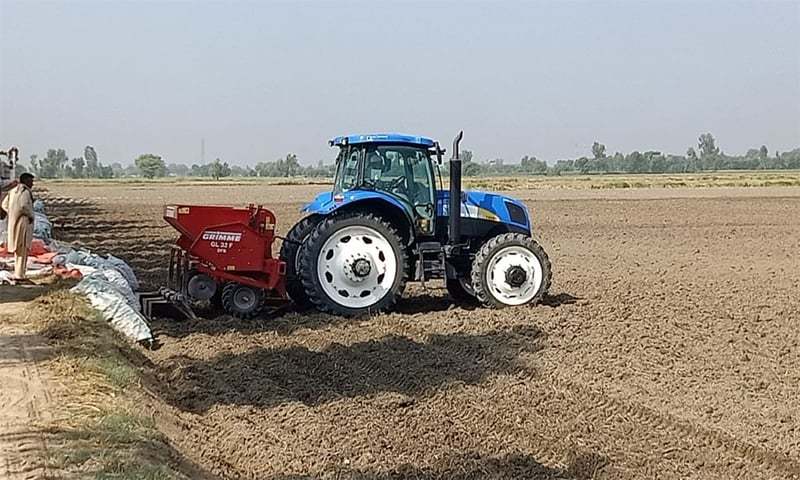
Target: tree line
<point>56,164</point>
<point>151,166</point>
<point>707,156</point>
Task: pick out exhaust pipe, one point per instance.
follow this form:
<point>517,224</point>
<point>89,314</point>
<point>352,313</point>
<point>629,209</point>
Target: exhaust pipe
<point>454,207</point>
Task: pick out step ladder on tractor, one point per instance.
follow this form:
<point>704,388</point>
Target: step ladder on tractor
<point>387,221</point>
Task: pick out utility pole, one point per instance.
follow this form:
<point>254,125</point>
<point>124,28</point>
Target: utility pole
<point>202,151</point>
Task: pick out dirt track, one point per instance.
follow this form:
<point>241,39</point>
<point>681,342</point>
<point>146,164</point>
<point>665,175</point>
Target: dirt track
<point>668,349</point>
<point>26,400</point>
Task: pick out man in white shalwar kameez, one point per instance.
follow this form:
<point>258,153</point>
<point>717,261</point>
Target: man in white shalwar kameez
<point>18,205</point>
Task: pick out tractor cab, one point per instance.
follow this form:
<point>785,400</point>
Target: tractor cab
<point>398,167</point>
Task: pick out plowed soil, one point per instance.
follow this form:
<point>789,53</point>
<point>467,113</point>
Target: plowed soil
<point>668,348</point>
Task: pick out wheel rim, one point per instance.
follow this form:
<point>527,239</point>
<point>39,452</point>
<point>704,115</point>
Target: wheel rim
<point>357,267</point>
<point>244,299</point>
<point>201,287</point>
<point>510,262</point>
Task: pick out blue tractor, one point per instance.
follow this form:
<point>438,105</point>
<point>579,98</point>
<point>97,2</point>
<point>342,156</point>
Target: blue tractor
<point>389,220</point>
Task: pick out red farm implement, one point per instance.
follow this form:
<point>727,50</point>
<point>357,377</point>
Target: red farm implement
<point>224,255</point>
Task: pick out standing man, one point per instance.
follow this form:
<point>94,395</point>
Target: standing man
<point>19,206</point>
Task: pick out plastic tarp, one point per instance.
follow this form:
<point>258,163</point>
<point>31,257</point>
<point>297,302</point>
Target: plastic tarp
<point>110,294</point>
<point>42,228</point>
<point>109,284</point>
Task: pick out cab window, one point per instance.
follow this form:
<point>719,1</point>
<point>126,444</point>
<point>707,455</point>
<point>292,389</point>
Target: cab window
<point>401,170</point>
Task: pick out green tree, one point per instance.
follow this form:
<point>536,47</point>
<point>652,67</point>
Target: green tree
<point>692,163</point>
<point>532,165</point>
<point>117,168</point>
<point>582,165</point>
<point>52,165</point>
<point>217,169</point>
<point>291,166</point>
<point>78,170</point>
<point>105,171</point>
<point>92,165</point>
<point>472,169</point>
<point>637,163</point>
<point>35,165</point>
<point>709,152</point>
<point>151,166</point>
<point>178,169</point>
<point>598,150</point>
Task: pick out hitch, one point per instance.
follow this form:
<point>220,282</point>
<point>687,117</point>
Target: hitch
<point>165,297</point>
<point>174,296</point>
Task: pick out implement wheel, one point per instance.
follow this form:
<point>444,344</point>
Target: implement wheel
<point>242,301</point>
<point>353,264</point>
<point>510,269</point>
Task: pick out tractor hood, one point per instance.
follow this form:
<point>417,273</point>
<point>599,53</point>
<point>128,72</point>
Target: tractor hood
<point>486,206</point>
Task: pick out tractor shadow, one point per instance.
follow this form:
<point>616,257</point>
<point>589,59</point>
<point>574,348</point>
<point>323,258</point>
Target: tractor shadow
<point>268,377</point>
<point>438,303</point>
<point>464,466</point>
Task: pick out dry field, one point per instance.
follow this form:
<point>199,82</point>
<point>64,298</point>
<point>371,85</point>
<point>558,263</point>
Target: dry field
<point>668,349</point>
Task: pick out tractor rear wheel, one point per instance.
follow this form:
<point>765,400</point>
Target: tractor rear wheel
<point>510,269</point>
<point>353,263</point>
<point>289,254</point>
<point>242,301</point>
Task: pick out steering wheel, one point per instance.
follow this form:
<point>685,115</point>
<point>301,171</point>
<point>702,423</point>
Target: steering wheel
<point>396,184</point>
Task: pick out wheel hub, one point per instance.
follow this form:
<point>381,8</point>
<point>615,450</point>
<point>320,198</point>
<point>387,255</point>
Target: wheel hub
<point>244,299</point>
<point>362,267</point>
<point>356,266</point>
<point>516,276</point>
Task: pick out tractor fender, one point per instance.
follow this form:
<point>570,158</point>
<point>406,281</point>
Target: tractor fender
<point>386,206</point>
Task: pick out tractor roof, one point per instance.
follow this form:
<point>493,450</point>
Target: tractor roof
<point>382,138</point>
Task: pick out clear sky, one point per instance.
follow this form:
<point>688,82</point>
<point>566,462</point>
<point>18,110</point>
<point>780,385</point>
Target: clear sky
<point>258,79</point>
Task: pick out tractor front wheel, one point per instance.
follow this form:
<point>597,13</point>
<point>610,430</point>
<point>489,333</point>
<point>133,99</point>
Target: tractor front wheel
<point>242,301</point>
<point>510,269</point>
<point>353,263</point>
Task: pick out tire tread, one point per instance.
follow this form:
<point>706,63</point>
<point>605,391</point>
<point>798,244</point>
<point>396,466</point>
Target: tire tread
<point>290,249</point>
